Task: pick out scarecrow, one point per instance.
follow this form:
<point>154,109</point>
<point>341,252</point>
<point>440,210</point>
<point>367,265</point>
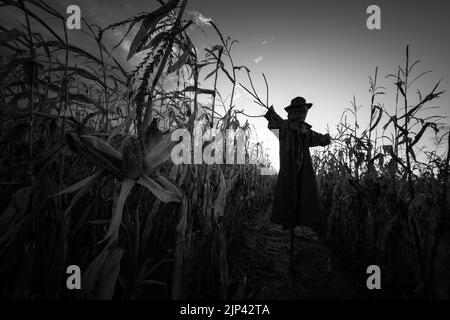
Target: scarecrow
<point>296,196</point>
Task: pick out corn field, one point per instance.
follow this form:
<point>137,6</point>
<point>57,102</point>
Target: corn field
<point>390,208</point>
<point>87,177</point>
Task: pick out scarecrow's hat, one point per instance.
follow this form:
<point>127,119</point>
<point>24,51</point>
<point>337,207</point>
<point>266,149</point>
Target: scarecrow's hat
<point>297,102</point>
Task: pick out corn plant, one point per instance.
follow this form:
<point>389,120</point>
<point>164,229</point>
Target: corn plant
<point>392,214</point>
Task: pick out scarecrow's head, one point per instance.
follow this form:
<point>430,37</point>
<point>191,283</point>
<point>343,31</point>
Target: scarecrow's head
<point>298,109</point>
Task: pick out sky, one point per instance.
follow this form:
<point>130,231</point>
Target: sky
<point>320,50</point>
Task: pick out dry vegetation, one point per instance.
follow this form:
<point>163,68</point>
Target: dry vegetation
<point>387,206</point>
<point>87,177</point>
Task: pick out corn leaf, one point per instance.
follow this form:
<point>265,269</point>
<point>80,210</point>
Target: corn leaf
<point>169,185</point>
<point>10,35</point>
<point>199,90</point>
<point>162,194</point>
<point>149,23</point>
<point>180,62</point>
<point>114,226</point>
<point>99,280</point>
<point>80,184</point>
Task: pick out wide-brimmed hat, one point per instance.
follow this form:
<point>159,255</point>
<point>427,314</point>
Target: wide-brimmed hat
<point>297,102</point>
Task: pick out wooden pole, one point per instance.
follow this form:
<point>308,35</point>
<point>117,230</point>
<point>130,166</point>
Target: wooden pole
<point>291,253</point>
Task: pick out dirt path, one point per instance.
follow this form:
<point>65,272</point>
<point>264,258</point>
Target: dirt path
<point>263,256</point>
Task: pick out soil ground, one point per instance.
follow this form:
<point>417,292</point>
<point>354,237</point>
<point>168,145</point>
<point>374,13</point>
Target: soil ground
<point>263,257</point>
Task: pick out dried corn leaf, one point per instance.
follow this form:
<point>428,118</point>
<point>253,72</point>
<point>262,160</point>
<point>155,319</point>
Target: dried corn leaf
<point>159,191</point>
<point>99,280</point>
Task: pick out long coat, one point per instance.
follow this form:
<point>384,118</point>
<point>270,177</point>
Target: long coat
<point>296,196</point>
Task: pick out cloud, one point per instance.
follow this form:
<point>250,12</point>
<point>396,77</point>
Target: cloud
<point>199,19</point>
<point>272,37</point>
<point>258,60</point>
<point>264,42</point>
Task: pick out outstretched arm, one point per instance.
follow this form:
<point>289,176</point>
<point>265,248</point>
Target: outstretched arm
<point>317,139</point>
<point>275,121</point>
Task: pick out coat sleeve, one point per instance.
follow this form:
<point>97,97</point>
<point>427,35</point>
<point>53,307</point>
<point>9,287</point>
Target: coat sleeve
<point>317,139</point>
<point>275,121</point>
